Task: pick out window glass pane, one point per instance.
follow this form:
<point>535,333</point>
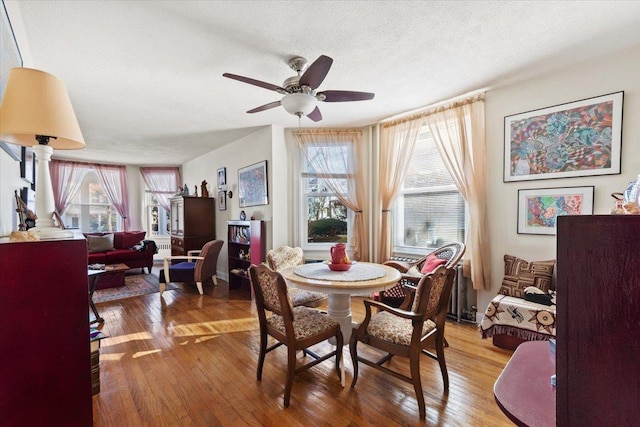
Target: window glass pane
<point>325,215</point>
<point>430,212</point>
<point>90,210</point>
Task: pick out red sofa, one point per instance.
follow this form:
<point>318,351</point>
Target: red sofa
<point>128,247</point>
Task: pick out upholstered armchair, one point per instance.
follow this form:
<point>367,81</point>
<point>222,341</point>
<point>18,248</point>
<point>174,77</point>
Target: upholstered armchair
<point>197,267</point>
<point>448,255</point>
<point>286,257</point>
<point>408,332</point>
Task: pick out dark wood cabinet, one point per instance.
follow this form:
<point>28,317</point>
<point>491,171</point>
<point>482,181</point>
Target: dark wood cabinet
<point>598,312</point>
<point>45,366</point>
<point>193,223</point>
<point>246,245</point>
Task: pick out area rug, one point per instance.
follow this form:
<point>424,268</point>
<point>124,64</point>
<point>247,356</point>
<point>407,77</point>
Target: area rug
<point>134,285</point>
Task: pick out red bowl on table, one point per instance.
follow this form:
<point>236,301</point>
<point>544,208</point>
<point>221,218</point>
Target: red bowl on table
<point>339,267</point>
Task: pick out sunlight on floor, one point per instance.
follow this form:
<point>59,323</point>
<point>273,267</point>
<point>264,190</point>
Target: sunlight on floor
<point>216,327</point>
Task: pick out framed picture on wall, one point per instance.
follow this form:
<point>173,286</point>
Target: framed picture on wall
<point>11,58</point>
<point>252,185</point>
<point>222,178</point>
<point>539,208</point>
<point>581,138</point>
<point>222,201</point>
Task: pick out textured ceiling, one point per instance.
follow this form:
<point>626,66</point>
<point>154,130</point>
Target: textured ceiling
<point>145,77</point>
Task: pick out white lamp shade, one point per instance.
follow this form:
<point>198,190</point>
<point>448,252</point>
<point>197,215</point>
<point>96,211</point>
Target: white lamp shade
<point>299,103</point>
<point>37,103</point>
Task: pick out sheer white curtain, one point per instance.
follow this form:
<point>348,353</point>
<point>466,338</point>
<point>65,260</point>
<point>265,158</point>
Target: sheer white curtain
<point>114,182</point>
<point>351,163</point>
<point>164,182</point>
<point>397,140</point>
<point>66,178</point>
<point>459,132</point>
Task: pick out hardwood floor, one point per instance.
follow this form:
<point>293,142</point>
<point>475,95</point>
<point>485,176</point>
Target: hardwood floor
<point>190,360</point>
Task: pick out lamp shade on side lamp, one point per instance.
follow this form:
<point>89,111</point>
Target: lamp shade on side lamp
<point>36,112</point>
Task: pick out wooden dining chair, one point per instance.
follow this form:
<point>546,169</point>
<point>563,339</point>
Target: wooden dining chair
<point>295,327</point>
<point>408,332</point>
<point>286,257</point>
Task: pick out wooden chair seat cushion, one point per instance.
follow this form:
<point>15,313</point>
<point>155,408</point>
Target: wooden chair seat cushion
<point>301,297</point>
<point>307,322</point>
<point>395,329</point>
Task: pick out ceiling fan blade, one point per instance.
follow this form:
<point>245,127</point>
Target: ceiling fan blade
<point>254,82</point>
<point>346,95</point>
<point>315,115</point>
<point>268,106</point>
<point>316,72</point>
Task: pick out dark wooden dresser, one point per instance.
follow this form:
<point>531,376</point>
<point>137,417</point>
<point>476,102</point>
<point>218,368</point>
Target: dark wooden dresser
<point>193,223</point>
<point>45,370</point>
<point>598,318</point>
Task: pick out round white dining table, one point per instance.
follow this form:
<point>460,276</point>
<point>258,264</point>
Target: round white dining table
<point>363,278</point>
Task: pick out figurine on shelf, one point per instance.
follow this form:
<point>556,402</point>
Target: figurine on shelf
<point>203,189</point>
<point>185,191</point>
<point>195,191</point>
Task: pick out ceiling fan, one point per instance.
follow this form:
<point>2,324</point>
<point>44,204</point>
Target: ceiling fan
<point>300,96</point>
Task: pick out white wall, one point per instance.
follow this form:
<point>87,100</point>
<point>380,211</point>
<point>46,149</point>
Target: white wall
<point>620,72</point>
<point>251,149</point>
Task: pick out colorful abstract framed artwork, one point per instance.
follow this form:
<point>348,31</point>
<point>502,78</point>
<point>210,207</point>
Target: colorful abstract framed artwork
<point>581,138</point>
<point>539,208</point>
<point>252,185</point>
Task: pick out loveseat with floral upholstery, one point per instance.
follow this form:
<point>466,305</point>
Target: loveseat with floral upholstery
<point>127,247</point>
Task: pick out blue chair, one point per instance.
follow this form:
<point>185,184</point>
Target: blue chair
<point>195,269</point>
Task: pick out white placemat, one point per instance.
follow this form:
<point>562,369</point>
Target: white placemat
<point>356,273</point>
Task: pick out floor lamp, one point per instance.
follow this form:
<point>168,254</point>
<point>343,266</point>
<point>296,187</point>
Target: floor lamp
<point>36,112</point>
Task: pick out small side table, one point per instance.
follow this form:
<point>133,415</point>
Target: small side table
<point>93,279</point>
<point>523,390</point>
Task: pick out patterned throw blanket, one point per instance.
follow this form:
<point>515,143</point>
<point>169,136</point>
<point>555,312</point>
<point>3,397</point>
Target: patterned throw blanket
<point>516,317</point>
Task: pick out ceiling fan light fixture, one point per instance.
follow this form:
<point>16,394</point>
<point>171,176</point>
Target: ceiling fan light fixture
<point>299,104</point>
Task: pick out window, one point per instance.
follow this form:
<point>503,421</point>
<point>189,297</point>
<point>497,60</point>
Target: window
<point>325,217</point>
<point>429,212</point>
<point>157,217</point>
<point>90,210</point>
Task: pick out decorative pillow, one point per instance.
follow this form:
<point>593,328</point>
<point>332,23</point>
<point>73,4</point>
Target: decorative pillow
<point>431,263</point>
<point>132,238</point>
<point>413,271</point>
<point>100,243</point>
<point>520,274</point>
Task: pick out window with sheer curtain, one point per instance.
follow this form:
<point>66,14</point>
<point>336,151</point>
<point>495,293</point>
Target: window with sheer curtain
<point>429,211</point>
<point>90,209</point>
<point>325,216</point>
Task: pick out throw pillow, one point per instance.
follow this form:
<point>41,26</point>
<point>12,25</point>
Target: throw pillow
<point>132,238</point>
<point>100,243</point>
<point>431,263</point>
<point>520,274</point>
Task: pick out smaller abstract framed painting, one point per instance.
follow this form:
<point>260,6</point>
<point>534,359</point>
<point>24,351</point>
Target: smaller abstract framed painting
<point>538,208</point>
<point>580,138</point>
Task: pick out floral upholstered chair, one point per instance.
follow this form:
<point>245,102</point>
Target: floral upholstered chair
<point>408,332</point>
<point>296,327</point>
<point>286,257</point>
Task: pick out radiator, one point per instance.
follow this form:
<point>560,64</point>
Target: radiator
<point>164,247</point>
<point>458,301</point>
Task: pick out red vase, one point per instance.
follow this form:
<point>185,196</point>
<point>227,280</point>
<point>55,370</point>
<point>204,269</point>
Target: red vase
<point>339,254</point>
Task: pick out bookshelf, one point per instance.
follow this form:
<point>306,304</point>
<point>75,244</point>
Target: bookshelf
<point>246,245</point>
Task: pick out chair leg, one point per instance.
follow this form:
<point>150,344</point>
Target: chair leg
<point>291,368</point>
<point>442,362</point>
<point>417,383</point>
<point>214,279</point>
<point>163,287</point>
<point>263,352</point>
<point>199,285</point>
<point>339,359</point>
<point>353,349</point>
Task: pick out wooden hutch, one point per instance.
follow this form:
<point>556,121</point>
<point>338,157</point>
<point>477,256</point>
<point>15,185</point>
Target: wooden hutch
<point>193,223</point>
